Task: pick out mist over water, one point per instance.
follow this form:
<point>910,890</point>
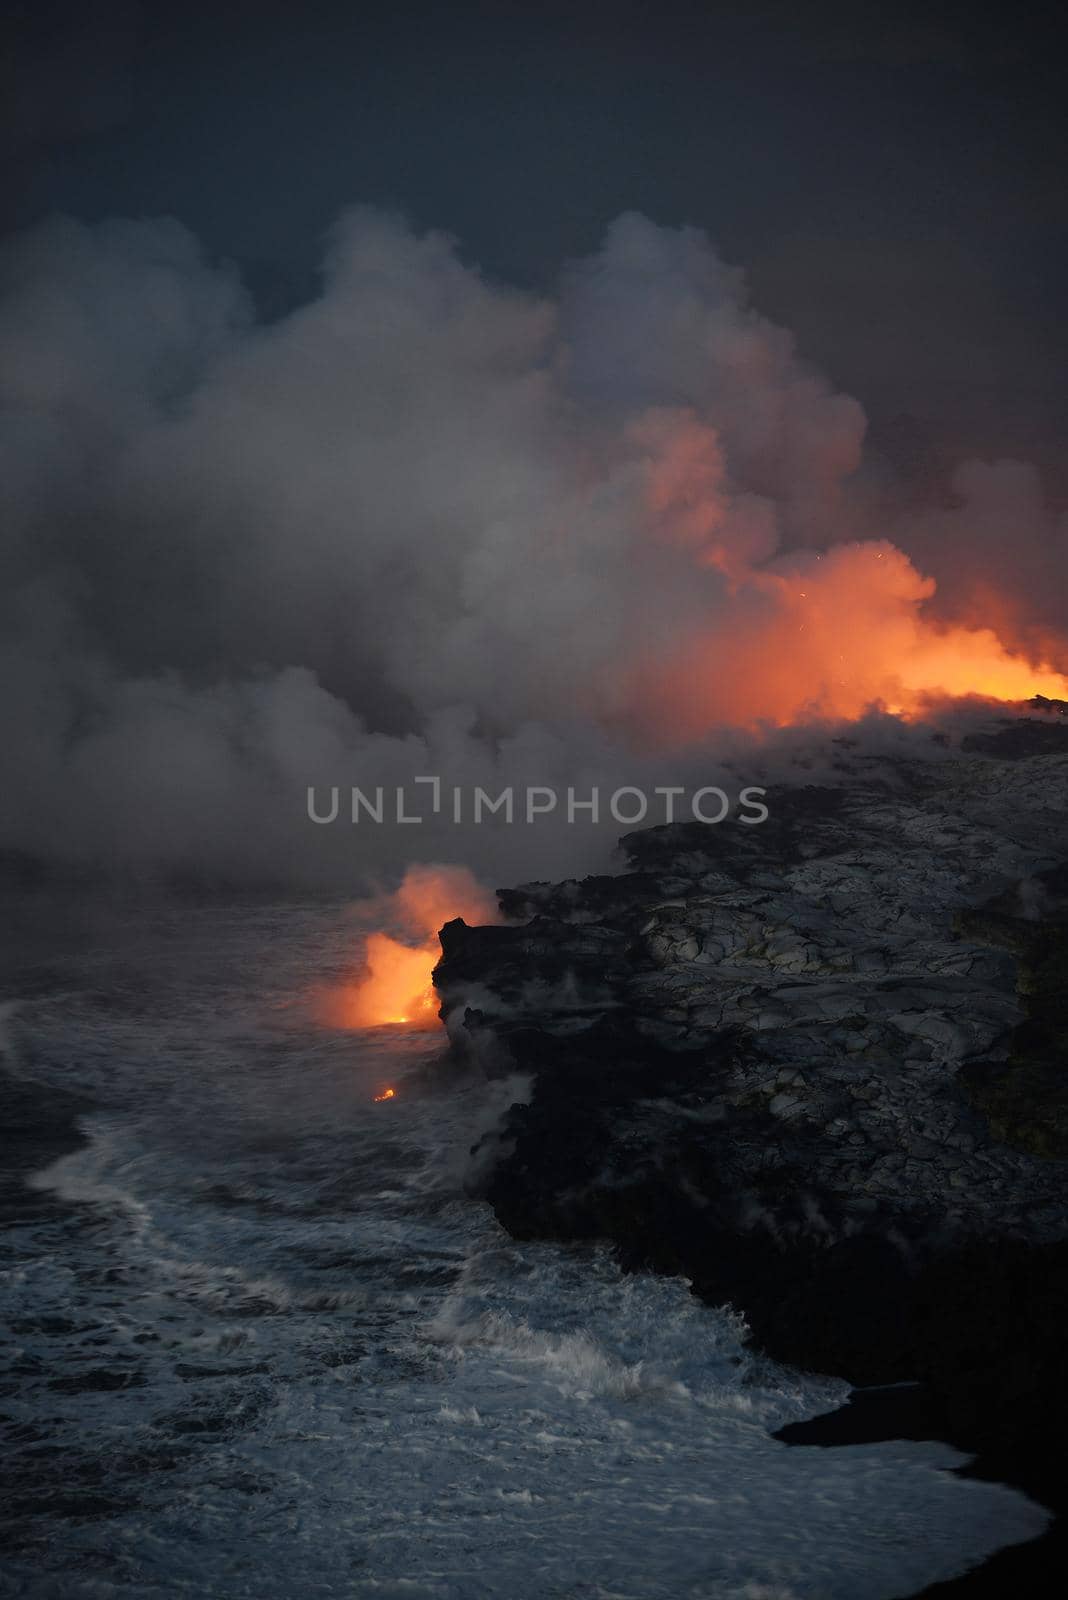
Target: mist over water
<point>265,1345</point>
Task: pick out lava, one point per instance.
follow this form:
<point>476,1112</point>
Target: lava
<point>396,989</point>
<point>387,1094</point>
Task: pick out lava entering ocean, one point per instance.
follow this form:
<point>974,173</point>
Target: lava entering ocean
<point>397,989</point>
<point>818,637</point>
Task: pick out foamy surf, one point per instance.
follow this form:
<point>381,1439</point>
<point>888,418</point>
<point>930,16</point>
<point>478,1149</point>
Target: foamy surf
<point>266,1347</point>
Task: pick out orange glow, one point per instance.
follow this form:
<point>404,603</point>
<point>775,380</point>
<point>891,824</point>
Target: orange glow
<point>842,632</point>
<point>774,637</point>
<point>397,989</point>
<point>387,1094</point>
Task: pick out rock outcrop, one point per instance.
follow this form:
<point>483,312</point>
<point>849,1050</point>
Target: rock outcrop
<point>816,1065</point>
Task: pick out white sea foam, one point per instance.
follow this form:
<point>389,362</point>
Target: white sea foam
<point>269,1331</point>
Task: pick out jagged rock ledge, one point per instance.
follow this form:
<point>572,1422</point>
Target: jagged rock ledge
<point>818,1066</point>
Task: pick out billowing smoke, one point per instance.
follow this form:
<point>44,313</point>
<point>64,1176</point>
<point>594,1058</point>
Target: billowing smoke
<point>427,524</point>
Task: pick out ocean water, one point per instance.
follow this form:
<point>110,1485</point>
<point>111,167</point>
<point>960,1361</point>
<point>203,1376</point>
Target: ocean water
<point>261,1344</point>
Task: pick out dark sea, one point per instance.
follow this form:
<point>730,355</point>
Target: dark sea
<point>260,1343</point>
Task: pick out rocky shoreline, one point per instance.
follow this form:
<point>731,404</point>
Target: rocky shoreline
<point>817,1066</point>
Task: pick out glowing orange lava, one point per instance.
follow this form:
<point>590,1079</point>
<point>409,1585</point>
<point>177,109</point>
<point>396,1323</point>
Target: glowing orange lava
<point>397,989</point>
<point>387,1094</point>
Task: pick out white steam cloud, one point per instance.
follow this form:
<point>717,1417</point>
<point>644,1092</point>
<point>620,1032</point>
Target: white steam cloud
<point>424,524</point>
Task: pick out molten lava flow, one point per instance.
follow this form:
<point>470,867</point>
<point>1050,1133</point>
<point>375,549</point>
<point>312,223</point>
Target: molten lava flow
<point>387,1094</point>
<point>397,988</point>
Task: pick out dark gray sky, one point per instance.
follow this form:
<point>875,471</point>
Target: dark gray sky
<point>890,177</point>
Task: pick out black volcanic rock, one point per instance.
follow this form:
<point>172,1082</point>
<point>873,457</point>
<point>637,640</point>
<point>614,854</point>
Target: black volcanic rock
<point>815,1065</point>
<point>1018,739</point>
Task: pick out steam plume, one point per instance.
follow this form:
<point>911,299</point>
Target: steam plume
<point>430,524</point>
